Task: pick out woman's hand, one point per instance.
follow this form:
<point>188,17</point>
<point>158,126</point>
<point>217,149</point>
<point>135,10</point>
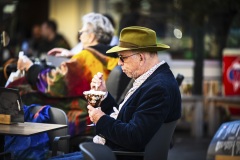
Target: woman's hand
<point>98,83</point>
<point>24,63</point>
<point>60,52</point>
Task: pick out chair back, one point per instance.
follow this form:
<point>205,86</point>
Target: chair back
<point>158,146</point>
<point>93,151</point>
<point>113,81</point>
<point>57,116</point>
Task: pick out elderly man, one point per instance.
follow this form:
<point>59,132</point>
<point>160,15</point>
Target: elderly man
<point>153,100</point>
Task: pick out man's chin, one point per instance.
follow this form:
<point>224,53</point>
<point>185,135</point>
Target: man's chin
<point>128,75</point>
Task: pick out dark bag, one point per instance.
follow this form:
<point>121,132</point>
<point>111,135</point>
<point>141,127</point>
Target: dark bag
<point>11,110</point>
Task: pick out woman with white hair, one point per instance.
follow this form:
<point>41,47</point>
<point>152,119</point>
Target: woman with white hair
<point>63,86</point>
<point>103,36</point>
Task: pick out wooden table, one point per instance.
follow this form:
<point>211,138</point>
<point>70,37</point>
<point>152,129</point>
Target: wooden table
<point>197,123</point>
<point>25,129</point>
<point>218,101</point>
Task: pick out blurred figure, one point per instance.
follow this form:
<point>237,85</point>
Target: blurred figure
<point>36,40</point>
<point>51,38</point>
<point>115,38</point>
<point>32,46</point>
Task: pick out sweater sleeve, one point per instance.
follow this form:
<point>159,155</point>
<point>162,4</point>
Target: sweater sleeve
<point>32,74</point>
<point>108,103</point>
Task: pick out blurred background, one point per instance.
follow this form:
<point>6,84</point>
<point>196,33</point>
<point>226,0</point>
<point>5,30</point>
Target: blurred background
<point>205,48</point>
<point>196,31</point>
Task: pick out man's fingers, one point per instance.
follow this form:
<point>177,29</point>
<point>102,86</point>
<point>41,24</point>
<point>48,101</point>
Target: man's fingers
<point>89,107</point>
<point>99,75</point>
<point>96,81</point>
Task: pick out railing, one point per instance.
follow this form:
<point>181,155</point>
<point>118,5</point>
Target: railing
<point>209,105</point>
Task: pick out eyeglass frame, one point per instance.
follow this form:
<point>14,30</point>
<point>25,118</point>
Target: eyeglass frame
<point>122,58</point>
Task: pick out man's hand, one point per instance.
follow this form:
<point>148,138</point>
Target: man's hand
<point>95,113</point>
<point>98,83</point>
<point>60,52</point>
<point>24,63</point>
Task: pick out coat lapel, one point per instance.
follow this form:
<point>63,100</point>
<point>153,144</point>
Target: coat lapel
<point>130,101</point>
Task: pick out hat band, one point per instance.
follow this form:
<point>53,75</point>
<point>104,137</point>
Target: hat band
<point>130,45</point>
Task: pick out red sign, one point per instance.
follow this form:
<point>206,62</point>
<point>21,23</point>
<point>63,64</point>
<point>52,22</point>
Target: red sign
<point>231,76</point>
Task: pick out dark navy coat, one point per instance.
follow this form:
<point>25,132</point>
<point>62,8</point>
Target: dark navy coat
<point>156,101</point>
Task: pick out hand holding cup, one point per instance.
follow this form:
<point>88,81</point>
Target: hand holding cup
<point>94,99</point>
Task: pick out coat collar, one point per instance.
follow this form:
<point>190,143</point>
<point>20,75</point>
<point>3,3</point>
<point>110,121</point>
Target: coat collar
<point>161,68</point>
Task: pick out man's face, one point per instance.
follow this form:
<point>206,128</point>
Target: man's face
<point>36,32</point>
<point>130,63</point>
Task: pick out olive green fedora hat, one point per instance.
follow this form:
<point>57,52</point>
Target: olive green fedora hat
<point>138,38</point>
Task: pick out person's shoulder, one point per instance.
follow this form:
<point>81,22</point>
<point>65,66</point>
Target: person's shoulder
<point>61,41</point>
<point>59,37</point>
<point>162,76</point>
<point>82,54</point>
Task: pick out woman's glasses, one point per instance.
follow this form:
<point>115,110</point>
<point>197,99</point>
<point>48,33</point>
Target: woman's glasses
<point>81,32</point>
<point>125,57</point>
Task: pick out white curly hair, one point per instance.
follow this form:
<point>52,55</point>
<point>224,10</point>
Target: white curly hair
<point>101,26</point>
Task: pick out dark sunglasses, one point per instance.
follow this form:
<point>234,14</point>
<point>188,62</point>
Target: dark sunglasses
<point>122,58</point>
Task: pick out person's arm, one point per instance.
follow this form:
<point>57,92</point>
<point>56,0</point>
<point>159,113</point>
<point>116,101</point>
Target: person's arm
<point>32,74</point>
<point>60,52</point>
<point>60,81</point>
<point>24,63</point>
<point>32,70</point>
<point>98,83</point>
<point>108,103</point>
<point>70,79</point>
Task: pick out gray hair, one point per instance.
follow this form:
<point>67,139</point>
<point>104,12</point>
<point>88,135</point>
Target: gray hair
<point>101,25</point>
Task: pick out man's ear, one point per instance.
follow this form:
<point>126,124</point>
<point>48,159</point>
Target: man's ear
<point>141,58</point>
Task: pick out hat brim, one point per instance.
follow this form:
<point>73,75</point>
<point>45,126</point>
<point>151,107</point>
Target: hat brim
<point>159,47</point>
